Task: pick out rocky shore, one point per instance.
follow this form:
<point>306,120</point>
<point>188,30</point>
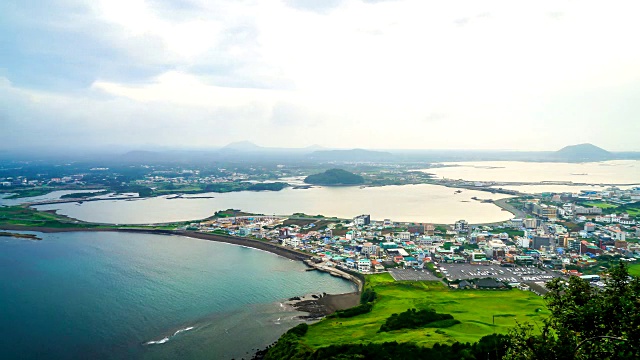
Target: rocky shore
<point>321,305</point>
<point>20,236</point>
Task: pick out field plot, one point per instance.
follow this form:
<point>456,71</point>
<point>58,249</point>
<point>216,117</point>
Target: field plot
<point>481,312</point>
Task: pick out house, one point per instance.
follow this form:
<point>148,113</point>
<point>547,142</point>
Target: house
<point>464,284</point>
<point>364,265</point>
<point>377,265</point>
<point>351,264</point>
<point>489,284</point>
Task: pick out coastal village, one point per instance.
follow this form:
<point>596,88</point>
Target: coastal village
<point>561,234</point>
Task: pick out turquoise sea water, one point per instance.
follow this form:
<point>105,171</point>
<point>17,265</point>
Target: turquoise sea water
<point>121,296</point>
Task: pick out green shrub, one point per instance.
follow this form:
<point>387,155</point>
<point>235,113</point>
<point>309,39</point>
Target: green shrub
<point>356,310</point>
<point>412,319</point>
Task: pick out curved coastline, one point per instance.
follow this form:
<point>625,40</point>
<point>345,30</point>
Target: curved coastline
<point>324,305</point>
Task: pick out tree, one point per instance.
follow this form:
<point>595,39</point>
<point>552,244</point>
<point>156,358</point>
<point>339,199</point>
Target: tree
<point>585,322</point>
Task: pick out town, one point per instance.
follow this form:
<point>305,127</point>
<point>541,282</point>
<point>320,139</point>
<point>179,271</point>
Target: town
<point>561,234</point>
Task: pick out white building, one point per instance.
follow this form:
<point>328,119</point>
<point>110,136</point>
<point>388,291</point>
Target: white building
<point>523,242</point>
<point>364,265</point>
<point>369,249</point>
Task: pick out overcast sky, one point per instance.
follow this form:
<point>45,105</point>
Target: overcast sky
<point>527,75</point>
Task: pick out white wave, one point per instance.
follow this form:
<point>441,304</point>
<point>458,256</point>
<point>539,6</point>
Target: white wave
<point>165,339</point>
<point>161,341</point>
<point>183,330</point>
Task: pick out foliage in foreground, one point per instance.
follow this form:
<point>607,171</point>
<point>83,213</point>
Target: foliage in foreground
<point>585,322</point>
<point>492,347</point>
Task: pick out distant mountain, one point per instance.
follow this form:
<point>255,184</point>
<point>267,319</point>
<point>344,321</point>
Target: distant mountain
<point>314,147</point>
<point>243,146</point>
<point>351,155</point>
<point>582,152</point>
<point>334,177</point>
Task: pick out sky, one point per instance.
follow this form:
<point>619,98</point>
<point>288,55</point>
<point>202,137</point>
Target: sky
<point>378,74</point>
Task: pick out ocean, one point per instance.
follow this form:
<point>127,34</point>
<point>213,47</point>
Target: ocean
<point>104,295</point>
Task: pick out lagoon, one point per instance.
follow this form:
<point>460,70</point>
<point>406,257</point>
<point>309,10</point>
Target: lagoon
<point>605,172</point>
<point>410,203</point>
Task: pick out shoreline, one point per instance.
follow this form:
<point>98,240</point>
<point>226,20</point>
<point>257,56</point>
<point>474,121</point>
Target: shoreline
<point>255,244</point>
<point>316,307</point>
<point>321,305</point>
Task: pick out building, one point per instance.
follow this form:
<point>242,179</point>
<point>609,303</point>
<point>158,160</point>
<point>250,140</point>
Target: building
<point>515,223</point>
<point>589,227</point>
<point>530,223</point>
<point>542,240</point>
<point>617,234</point>
<point>522,241</point>
<point>364,265</point>
<point>362,220</point>
<point>586,247</point>
<point>369,249</point>
<point>416,229</point>
<point>461,226</point>
<point>574,245</point>
<point>429,229</point>
<point>545,211</point>
<point>581,210</point>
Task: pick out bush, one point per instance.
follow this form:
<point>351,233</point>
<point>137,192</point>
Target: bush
<point>367,296</point>
<point>412,319</point>
<point>356,310</point>
<point>299,330</point>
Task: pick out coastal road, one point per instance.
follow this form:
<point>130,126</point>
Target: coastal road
<point>502,203</point>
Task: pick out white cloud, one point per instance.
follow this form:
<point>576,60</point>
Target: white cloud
<point>400,73</point>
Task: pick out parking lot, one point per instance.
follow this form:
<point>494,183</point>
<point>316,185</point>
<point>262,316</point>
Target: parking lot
<point>411,274</point>
<point>508,274</point>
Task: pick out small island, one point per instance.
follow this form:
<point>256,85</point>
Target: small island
<point>334,177</point>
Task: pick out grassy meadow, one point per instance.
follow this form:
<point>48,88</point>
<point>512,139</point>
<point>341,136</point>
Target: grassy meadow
<point>634,270</point>
<point>475,309</point>
<point>600,204</point>
<point>23,216</point>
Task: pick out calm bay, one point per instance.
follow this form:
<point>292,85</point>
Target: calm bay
<point>120,296</point>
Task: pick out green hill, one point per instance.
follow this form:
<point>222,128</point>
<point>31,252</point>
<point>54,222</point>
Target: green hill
<point>334,177</point>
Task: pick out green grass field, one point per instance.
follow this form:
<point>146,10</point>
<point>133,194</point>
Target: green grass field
<point>17,215</point>
<point>600,204</point>
<point>474,308</point>
<point>634,270</point>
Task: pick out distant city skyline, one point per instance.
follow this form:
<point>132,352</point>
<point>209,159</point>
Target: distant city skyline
<point>372,74</point>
